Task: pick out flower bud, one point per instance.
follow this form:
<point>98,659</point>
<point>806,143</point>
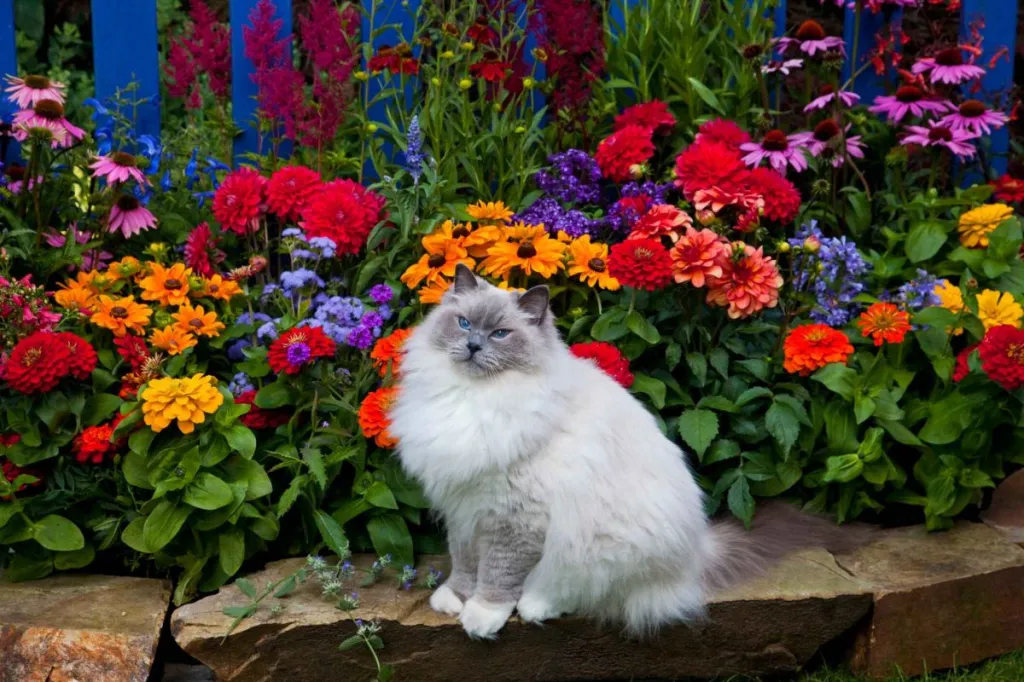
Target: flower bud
<point>528,83</point>
<point>465,84</point>
<point>361,75</point>
<point>783,247</point>
<point>812,244</point>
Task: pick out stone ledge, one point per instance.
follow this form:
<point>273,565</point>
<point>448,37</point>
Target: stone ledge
<point>82,628</point>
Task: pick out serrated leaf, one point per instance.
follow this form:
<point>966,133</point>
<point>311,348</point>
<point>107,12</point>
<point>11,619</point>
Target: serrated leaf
<point>783,424</point>
<point>741,502</point>
<point>698,428</point>
<point>331,533</point>
<point>314,459</point>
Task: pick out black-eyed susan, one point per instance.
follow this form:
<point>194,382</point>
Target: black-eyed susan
<point>197,321</point>
<point>166,286</point>
<point>437,264</point>
<point>433,292</point>
<point>172,339</point>
<point>489,212</point>
<point>527,247</point>
<point>218,288</point>
<point>120,315</point>
<point>589,262</point>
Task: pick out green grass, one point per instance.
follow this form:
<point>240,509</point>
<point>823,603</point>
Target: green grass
<point>1008,668</point>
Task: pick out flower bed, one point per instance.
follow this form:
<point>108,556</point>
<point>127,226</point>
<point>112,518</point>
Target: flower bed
<point>198,360</point>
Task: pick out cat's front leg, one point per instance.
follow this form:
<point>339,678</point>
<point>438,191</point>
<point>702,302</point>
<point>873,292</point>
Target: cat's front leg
<point>449,597</point>
<point>504,565</point>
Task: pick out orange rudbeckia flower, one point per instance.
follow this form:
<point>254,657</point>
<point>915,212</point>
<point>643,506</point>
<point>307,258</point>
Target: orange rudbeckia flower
<point>166,286</point>
<point>120,315</point>
<point>172,339</point>
<point>197,321</point>
<point>589,262</point>
<point>432,266</point>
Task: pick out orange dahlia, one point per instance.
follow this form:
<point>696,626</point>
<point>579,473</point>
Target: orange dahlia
<point>388,351</point>
<point>698,256</point>
<point>812,346</point>
<point>373,416</point>
<point>750,282</point>
<point>662,220</point>
<point>884,322</point>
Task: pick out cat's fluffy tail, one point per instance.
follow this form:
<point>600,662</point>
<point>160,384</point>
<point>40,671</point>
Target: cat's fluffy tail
<point>737,555</point>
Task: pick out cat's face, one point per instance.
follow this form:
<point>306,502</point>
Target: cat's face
<point>485,331</point>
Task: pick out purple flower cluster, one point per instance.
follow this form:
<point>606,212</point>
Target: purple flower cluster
<point>240,383</point>
<point>552,215</point>
<point>919,293</point>
<point>313,249</point>
<point>834,274</point>
<point>573,178</point>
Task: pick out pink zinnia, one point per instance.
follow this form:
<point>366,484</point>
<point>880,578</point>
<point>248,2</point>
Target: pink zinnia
<point>240,200</point>
<point>828,95</point>
<point>940,135</point>
<point>810,38</point>
<point>25,92</point>
<point>118,167</point>
<point>47,113</point>
<point>975,118</point>
<point>779,149</point>
<point>129,217</point>
<point>826,142</point>
<point>948,67</point>
<point>909,99</point>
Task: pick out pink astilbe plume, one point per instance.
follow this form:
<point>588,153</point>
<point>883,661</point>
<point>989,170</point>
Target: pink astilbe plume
<point>572,34</point>
<point>204,48</point>
<point>279,85</point>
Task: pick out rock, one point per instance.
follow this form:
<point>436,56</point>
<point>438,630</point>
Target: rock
<point>81,628</point>
<point>770,626</point>
<point>941,599</point>
<point>1006,513</point>
<point>181,672</point>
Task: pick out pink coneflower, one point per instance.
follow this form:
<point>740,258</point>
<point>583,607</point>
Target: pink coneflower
<point>118,167</point>
<point>828,95</point>
<point>25,92</point>
<point>826,143</point>
<point>940,135</point>
<point>45,112</point>
<point>948,67</point>
<point>130,217</point>
<point>780,150</point>
<point>909,99</point>
<point>58,239</point>
<point>976,118</point>
<point>783,66</point>
<point>41,129</point>
<point>810,38</point>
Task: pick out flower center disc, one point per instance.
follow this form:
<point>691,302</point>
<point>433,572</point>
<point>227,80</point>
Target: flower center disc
<point>810,30</point>
<point>50,109</point>
<point>826,130</point>
<point>596,264</point>
<point>775,141</point>
<point>909,93</point>
<point>436,260</point>
<point>972,108</point>
<point>951,57</point>
<point>119,312</point>
<point>940,133</point>
<point>127,203</point>
<point>123,159</point>
<point>526,250</point>
<point>172,284</point>
<point>37,82</point>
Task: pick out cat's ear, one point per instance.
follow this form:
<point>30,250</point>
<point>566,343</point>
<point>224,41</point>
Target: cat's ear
<point>465,280</point>
<point>535,303</point>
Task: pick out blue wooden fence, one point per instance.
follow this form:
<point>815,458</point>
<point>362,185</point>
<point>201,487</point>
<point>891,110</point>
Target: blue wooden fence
<point>125,50</point>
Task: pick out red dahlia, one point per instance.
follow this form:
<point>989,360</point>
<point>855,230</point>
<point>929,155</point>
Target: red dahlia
<point>781,198</point>
<point>1008,189</point>
<point>344,212</point>
<point>297,347</point>
<point>963,367</point>
<point>290,189</point>
<point>201,252</point>
<point>133,349</point>
<point>83,355</point>
<point>239,201</point>
<point>653,116</point>
<point>705,165</point>
<point>258,418</point>
<point>724,132</point>
<point>641,264</point>
<point>620,153</point>
<point>608,358</point>
<point>1002,356</point>
<point>37,363</point>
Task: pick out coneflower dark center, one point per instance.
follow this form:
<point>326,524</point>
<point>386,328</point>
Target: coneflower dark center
<point>810,30</point>
<point>126,202</point>
<point>826,130</point>
<point>940,133</point>
<point>49,109</point>
<point>950,57</point>
<point>775,140</point>
<point>909,93</point>
<point>972,108</point>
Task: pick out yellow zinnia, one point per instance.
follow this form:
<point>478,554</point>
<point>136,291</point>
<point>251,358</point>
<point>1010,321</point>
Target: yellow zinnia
<point>491,211</point>
<point>167,286</point>
<point>952,299</point>
<point>978,223</point>
<point>120,315</point>
<point>221,289</point>
<point>589,262</point>
<point>997,308</point>
<point>197,321</point>
<point>186,401</point>
<point>172,339</point>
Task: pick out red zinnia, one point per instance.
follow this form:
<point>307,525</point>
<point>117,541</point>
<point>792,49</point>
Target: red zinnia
<point>258,418</point>
<point>93,444</point>
<point>623,151</point>
<point>1002,356</point>
<point>9,439</point>
<point>884,322</point>
<point>11,472</point>
<point>653,116</point>
<point>344,212</point>
<point>1009,189</point>
<point>133,349</point>
<point>962,368</point>
<point>641,264</point>
<point>781,198</point>
<point>297,347</point>
<point>491,70</point>
<point>239,201</point>
<point>709,164</point>
<point>290,189</point>
<point>608,358</point>
<point>37,363</point>
<point>724,132</point>
<point>201,252</point>
<point>83,356</point>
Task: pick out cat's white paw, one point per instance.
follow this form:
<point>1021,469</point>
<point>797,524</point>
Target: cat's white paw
<point>482,620</point>
<point>534,608</point>
<point>444,600</point>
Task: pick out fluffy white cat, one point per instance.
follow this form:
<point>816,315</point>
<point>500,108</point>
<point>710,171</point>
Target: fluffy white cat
<point>558,490</point>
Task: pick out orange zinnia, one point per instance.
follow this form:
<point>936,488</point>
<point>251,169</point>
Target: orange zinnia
<point>197,321</point>
<point>120,315</point>
<point>172,339</point>
<point>884,322</point>
<point>167,286</point>
<point>373,416</point>
<point>388,351</point>
<point>812,346</point>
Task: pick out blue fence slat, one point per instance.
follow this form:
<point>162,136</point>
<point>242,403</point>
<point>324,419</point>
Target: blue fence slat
<point>398,19</point>
<point>8,64</point>
<point>539,69</point>
<point>779,18</point>
<point>125,51</point>
<point>867,84</point>
<point>1000,31</point>
<point>243,89</point>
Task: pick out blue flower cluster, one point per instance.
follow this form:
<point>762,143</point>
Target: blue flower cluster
<point>919,293</point>
<point>414,156</point>
<point>834,275</point>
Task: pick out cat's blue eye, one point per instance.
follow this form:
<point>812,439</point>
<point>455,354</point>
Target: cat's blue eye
<point>464,323</point>
<point>501,333</point>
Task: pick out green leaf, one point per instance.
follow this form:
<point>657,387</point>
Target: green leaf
<point>975,478</point>
<point>232,550</point>
<point>23,567</point>
<point>698,367</point>
<point>66,561</point>
<point>698,428</point>
<point>239,611</point>
<point>58,533</point>
<point>642,327</point>
<point>350,643</point>
<point>941,429</point>
<point>935,316</point>
<point>752,394</point>
<point>332,534</point>
<point>721,450</point>
<point>246,587</point>
<point>99,408</point>
<point>784,425</point>
<point>705,94</point>
<point>900,433</point>
<point>241,439</point>
<point>719,358</point>
<point>390,535</point>
<point>840,427</point>
<point>842,468</point>
<point>610,326</point>
<point>741,503</point>
<point>140,441</point>
<point>290,495</point>
<point>229,412</point>
<point>252,474</point>
<point>651,387</point>
<point>837,378</point>
<point>380,495</point>
<point>863,407</point>
<point>132,536</point>
<point>136,471</point>
<point>277,394</point>
<point>673,354</point>
<point>314,459</point>
<point>925,240</point>
<point>286,587</point>
<point>163,523</point>
<point>7,511</point>
<point>718,402</point>
<point>208,492</point>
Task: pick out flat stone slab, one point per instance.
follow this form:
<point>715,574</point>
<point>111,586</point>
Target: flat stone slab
<point>1006,513</point>
<point>81,628</point>
<point>941,599</point>
<point>769,626</point>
